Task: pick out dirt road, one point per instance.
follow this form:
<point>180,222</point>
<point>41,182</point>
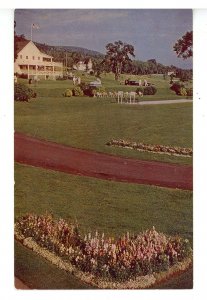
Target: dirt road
<point>50,155</point>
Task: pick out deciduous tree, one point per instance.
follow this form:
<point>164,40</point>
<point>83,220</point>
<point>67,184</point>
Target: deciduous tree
<point>117,55</point>
<point>184,46</point>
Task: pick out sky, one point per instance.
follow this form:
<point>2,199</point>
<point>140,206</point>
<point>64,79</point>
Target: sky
<point>152,32</point>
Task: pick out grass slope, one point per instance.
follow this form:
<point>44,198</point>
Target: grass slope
<point>110,207</point>
<point>89,123</point>
<point>50,88</point>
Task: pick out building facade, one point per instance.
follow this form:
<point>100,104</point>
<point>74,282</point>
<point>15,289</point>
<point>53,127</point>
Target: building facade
<point>35,64</point>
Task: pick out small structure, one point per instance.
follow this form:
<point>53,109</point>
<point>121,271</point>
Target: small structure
<point>33,63</point>
<point>83,66</point>
<point>97,82</point>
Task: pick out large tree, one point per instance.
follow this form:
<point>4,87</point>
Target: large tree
<point>117,55</point>
<point>184,46</point>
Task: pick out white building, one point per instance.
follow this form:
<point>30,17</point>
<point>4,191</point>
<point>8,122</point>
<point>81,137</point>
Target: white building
<point>35,64</point>
<point>83,66</point>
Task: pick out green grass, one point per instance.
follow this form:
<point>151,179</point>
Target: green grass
<point>56,88</point>
<point>38,273</point>
<point>89,123</point>
<point>106,206</point>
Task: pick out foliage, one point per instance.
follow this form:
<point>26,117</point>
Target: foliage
<point>183,91</point>
<point>68,93</point>
<point>180,89</point>
<point>184,46</point>
<point>150,90</point>
<point>23,93</point>
<point>23,76</point>
<point>118,259</point>
<point>77,91</point>
<point>100,89</point>
<point>147,90</point>
<point>140,89</point>
<point>189,91</point>
<point>91,90</point>
<point>176,86</point>
<point>117,55</point>
<point>87,89</point>
<point>184,75</point>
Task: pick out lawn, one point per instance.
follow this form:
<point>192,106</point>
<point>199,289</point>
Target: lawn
<point>56,88</point>
<point>112,207</point>
<point>106,206</point>
<point>88,123</point>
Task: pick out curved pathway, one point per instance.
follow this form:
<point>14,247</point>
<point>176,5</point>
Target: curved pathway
<point>50,155</point>
<point>165,101</point>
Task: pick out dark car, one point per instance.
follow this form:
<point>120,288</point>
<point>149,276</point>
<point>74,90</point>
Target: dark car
<point>131,82</point>
<point>134,82</point>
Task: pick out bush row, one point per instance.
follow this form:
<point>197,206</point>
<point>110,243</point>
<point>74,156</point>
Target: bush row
<point>151,148</point>
<point>83,89</point>
<point>87,90</point>
<point>180,89</point>
<point>118,259</point>
<point>23,93</point>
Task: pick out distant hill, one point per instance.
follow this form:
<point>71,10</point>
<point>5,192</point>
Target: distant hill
<point>84,51</point>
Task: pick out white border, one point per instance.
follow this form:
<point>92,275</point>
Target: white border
<point>7,290</point>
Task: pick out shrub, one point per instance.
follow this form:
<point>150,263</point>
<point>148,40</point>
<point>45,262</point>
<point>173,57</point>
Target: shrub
<point>100,89</point>
<point>140,89</point>
<point>150,90</point>
<point>23,93</point>
<point>68,93</point>
<point>91,90</point>
<point>23,76</point>
<point>189,91</point>
<point>183,91</point>
<point>176,86</point>
<point>77,91</point>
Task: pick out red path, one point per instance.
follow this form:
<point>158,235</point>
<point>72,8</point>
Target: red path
<point>49,155</point>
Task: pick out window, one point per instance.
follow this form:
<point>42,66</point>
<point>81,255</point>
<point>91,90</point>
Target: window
<point>33,57</point>
<point>46,59</point>
<point>38,58</point>
<point>21,56</point>
<point>26,57</point>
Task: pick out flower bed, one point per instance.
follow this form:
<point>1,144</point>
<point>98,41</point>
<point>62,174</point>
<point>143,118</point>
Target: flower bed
<point>170,150</point>
<point>131,261</point>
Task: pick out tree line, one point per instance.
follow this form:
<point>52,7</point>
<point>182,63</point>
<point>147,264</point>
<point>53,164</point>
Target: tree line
<point>119,58</point>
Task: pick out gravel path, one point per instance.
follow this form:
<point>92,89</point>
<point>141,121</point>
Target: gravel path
<point>160,102</point>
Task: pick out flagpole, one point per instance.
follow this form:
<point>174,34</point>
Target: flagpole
<point>31,31</point>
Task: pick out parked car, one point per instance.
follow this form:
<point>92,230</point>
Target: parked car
<point>134,82</point>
